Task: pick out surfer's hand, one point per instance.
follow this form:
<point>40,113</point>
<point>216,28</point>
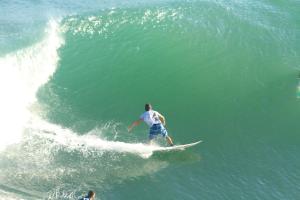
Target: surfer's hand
<point>129,128</point>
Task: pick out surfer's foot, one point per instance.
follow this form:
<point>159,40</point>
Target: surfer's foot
<point>171,145</point>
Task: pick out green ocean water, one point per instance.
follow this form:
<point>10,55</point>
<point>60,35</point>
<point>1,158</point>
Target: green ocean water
<point>74,76</point>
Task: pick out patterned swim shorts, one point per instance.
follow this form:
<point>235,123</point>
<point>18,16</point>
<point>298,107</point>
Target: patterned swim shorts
<point>157,129</point>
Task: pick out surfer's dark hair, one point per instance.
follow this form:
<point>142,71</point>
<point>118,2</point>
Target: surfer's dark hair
<point>148,106</point>
<point>91,193</point>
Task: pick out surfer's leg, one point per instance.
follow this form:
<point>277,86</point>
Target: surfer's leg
<point>169,140</point>
<point>151,137</point>
<point>164,133</point>
<point>150,142</point>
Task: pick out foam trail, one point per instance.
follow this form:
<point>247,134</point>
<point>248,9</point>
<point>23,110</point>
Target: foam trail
<point>21,74</point>
<point>72,141</point>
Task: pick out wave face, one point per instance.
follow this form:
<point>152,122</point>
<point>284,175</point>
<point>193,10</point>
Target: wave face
<point>73,76</point>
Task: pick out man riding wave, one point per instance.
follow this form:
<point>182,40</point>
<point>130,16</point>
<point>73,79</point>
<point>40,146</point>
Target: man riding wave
<point>155,121</point>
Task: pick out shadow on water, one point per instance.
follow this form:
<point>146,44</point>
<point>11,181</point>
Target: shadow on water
<point>177,157</point>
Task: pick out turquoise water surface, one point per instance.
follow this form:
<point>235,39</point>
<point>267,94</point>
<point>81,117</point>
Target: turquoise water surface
<point>74,75</point>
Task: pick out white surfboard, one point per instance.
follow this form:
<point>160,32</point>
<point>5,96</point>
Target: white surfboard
<point>176,147</point>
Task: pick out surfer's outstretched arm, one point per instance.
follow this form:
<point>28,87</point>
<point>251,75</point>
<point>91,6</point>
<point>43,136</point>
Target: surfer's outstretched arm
<point>135,123</point>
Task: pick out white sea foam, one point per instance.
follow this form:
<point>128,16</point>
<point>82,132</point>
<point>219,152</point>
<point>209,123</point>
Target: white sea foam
<point>70,140</point>
<point>21,74</point>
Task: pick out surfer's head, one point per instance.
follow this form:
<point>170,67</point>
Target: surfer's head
<point>148,106</point>
<point>91,194</point>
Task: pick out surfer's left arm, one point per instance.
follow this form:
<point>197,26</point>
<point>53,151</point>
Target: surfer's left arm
<point>135,123</point>
<point>162,119</point>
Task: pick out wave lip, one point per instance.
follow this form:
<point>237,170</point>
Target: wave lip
<point>21,74</point>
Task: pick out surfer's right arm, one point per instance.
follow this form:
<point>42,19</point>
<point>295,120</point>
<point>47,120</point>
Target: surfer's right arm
<point>135,123</point>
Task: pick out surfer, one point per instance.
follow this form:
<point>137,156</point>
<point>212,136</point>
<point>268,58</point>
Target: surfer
<point>155,121</point>
<point>91,196</point>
